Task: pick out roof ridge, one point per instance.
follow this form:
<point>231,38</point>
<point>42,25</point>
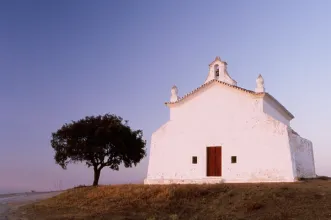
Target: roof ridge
<point>180,99</point>
<point>208,83</point>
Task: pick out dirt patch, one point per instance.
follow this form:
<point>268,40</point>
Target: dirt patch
<point>10,205</point>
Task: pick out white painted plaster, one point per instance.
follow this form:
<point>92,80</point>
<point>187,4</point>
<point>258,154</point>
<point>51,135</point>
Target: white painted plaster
<point>174,94</point>
<point>303,156</point>
<point>259,84</point>
<point>250,127</point>
<point>272,110</point>
<point>223,73</point>
<point>220,116</point>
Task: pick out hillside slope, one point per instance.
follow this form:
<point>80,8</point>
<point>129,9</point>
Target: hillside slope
<point>303,200</point>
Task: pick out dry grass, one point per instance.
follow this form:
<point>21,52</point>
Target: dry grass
<point>304,200</point>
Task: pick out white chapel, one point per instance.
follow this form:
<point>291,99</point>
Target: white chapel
<point>220,132</point>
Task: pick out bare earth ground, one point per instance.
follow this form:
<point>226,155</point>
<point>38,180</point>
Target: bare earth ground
<point>9,203</point>
<point>307,200</point>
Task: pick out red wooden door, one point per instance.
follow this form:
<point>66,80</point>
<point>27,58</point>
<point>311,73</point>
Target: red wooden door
<point>210,161</point>
<point>218,161</point>
<point>214,161</point>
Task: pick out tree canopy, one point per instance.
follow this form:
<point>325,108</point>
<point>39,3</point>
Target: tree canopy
<point>99,141</point>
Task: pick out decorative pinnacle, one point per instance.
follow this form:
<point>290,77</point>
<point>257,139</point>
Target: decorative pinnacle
<point>259,84</point>
<point>174,94</point>
<point>260,79</point>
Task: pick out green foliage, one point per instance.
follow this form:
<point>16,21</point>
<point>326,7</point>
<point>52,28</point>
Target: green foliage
<point>99,141</point>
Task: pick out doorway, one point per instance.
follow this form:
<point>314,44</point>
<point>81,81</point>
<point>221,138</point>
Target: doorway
<point>214,161</point>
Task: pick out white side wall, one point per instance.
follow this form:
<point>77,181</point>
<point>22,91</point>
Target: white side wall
<point>271,110</point>
<point>302,150</point>
<point>226,117</point>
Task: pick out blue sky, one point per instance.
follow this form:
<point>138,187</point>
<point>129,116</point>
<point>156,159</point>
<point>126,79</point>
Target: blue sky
<point>63,60</point>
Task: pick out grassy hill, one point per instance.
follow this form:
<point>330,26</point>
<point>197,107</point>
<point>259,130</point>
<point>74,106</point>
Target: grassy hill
<point>302,200</point>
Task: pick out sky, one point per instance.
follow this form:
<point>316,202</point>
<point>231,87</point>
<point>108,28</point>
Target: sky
<point>64,60</point>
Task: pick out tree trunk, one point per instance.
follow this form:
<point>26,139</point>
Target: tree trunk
<point>96,176</point>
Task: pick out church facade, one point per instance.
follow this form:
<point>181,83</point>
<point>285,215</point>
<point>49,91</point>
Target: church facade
<point>221,132</point>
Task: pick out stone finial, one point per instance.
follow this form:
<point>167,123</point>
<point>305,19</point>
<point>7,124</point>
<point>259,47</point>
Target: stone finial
<point>259,84</point>
<point>174,94</point>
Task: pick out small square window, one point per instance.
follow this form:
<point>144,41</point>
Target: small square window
<point>234,159</point>
<point>194,159</point>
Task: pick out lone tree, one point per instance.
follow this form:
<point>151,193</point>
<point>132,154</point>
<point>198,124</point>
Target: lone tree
<point>99,141</point>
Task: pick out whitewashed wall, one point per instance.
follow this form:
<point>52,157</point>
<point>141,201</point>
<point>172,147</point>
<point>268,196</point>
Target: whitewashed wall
<point>220,116</point>
<point>271,110</point>
<point>302,150</point>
